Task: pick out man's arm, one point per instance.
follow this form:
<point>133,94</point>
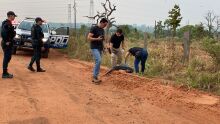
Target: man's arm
<point>91,39</point>
<point>111,46</point>
<point>123,42</point>
<point>38,32</point>
<point>5,33</point>
<point>123,45</point>
<point>126,56</point>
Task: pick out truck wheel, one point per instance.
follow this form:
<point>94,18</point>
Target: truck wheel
<point>46,53</point>
<point>14,50</point>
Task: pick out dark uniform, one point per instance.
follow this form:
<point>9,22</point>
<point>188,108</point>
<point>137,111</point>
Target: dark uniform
<point>8,34</point>
<point>37,43</point>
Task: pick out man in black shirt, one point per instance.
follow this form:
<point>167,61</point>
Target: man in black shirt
<point>117,41</point>
<point>140,55</point>
<point>37,43</point>
<point>96,38</point>
<point>8,34</point>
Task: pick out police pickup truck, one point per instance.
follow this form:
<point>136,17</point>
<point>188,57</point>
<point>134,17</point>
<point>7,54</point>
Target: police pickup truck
<point>51,38</point>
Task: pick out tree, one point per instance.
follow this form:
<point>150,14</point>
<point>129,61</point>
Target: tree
<point>126,29</point>
<point>83,30</point>
<point>167,28</point>
<point>212,23</point>
<point>182,30</point>
<point>174,19</point>
<point>159,29</point>
<point>213,48</point>
<point>217,22</point>
<point>108,10</point>
<point>210,18</point>
<point>199,31</point>
<point>131,32</point>
<point>196,31</point>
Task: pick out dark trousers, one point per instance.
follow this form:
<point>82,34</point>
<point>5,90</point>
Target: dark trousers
<point>7,58</point>
<point>36,57</point>
<point>142,59</point>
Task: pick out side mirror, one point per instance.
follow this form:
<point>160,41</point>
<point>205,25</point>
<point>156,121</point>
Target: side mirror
<point>53,32</point>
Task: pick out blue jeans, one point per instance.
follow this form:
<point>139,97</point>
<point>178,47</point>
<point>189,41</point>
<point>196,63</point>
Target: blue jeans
<point>142,59</point>
<point>97,55</point>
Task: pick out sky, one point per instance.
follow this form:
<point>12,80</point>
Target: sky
<point>128,11</point>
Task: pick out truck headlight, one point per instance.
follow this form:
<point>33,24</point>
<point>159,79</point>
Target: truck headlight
<point>17,36</point>
<point>45,40</point>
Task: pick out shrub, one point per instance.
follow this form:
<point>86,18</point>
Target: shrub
<point>213,48</point>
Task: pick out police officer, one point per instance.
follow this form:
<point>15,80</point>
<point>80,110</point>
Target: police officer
<point>8,34</point>
<point>37,43</point>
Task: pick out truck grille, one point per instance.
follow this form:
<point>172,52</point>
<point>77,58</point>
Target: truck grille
<point>25,37</point>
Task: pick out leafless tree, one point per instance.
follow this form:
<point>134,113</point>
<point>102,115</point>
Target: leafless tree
<point>108,10</point>
<point>212,22</point>
<point>217,26</point>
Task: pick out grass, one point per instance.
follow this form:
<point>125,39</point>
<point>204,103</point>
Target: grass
<point>165,61</point>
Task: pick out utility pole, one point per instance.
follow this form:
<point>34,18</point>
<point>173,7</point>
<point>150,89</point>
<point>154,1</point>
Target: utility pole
<point>91,12</point>
<point>69,14</point>
<point>155,30</point>
<point>74,7</point>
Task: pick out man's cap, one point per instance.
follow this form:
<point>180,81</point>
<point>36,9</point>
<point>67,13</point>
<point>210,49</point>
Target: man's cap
<point>39,19</point>
<point>11,13</point>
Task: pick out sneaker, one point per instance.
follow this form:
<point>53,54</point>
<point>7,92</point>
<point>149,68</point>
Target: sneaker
<point>96,81</point>
<point>41,70</point>
<point>31,68</point>
<point>7,75</point>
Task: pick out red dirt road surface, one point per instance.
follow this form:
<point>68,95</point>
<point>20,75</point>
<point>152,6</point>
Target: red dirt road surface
<point>65,95</point>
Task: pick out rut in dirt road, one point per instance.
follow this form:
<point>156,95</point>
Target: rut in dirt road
<point>66,95</point>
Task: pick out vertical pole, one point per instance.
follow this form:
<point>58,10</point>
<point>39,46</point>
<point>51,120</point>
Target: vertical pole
<point>155,29</point>
<point>74,7</point>
<point>145,40</point>
<point>186,46</point>
<point>91,12</point>
<point>69,15</point>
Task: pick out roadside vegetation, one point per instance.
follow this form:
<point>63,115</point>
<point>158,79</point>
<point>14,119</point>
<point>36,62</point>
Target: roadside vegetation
<point>166,51</point>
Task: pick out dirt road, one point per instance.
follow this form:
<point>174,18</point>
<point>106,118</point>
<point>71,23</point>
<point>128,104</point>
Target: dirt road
<point>65,95</point>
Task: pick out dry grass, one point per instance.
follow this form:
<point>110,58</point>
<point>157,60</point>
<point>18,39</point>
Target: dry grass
<point>165,61</point>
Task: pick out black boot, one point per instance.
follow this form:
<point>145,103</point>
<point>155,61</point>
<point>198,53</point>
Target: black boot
<point>31,68</point>
<point>6,74</point>
<point>41,70</point>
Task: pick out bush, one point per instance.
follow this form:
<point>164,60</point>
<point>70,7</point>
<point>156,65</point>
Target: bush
<point>165,60</point>
<point>79,48</point>
<point>198,77</point>
<point>213,48</point>
<point>203,80</point>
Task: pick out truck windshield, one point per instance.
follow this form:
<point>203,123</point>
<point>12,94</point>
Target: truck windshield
<point>26,25</point>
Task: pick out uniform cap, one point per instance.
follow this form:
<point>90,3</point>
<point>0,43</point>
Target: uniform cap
<point>11,13</point>
<point>39,19</point>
